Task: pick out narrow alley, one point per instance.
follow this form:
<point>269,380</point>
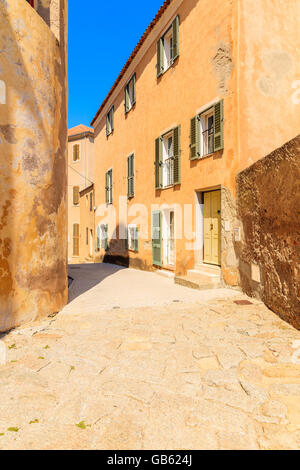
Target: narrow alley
<point>135,361</point>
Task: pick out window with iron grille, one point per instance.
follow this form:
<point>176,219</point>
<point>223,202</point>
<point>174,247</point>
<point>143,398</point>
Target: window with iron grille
<point>207,132</point>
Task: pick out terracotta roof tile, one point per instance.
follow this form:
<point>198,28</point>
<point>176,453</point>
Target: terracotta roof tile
<point>134,53</point>
<point>79,130</point>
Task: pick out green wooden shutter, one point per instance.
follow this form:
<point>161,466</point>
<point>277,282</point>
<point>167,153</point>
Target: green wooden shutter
<point>112,118</point>
<point>98,237</point>
<point>126,99</point>
<point>176,152</point>
<point>159,65</point>
<point>107,126</point>
<point>219,126</point>
<point>136,239</point>
<point>106,238</point>
<point>156,238</point>
<point>195,138</point>
<point>111,186</point>
<point>134,88</point>
<point>106,188</point>
<point>175,27</point>
<point>130,176</point>
<point>158,163</point>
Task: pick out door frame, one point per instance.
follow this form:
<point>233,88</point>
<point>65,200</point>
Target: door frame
<point>199,226</point>
<point>154,244</point>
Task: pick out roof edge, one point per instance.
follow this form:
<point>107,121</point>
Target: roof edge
<point>132,56</point>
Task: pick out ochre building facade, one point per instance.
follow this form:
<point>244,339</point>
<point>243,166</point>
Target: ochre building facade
<point>209,90</point>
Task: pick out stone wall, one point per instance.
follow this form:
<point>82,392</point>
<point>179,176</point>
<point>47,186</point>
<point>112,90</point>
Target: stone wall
<point>268,200</point>
<point>33,169</point>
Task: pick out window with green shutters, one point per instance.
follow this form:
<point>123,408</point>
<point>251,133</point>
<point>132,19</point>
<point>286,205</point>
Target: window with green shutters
<point>110,121</point>
<point>207,132</point>
<point>168,159</point>
<point>130,176</point>
<point>109,187</point>
<point>130,94</point>
<point>168,48</point>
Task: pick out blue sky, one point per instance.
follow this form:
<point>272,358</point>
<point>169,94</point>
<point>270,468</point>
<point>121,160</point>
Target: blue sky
<point>101,38</point>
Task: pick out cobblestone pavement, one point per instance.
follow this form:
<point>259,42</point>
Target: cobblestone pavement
<point>201,373</point>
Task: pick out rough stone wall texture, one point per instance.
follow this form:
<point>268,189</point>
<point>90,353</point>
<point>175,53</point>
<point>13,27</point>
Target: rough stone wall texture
<point>268,198</point>
<point>33,170</point>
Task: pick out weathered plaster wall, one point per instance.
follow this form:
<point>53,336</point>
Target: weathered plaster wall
<point>33,170</point>
<point>268,197</point>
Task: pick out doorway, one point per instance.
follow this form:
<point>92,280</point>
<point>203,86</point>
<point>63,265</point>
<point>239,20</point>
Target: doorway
<point>212,227</point>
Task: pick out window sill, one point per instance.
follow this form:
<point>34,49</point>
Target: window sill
<point>169,67</point>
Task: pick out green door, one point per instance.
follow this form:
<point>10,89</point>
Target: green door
<point>156,238</point>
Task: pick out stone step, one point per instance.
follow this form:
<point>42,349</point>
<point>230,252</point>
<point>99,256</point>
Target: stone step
<point>200,283</point>
<point>207,269</point>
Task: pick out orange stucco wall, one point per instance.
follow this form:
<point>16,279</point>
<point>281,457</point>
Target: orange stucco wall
<point>220,57</point>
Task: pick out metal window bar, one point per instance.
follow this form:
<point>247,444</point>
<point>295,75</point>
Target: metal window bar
<point>169,166</point>
<point>208,141</point>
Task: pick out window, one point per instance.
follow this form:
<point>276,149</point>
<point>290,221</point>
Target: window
<point>87,236</point>
<point>167,159</point>
<point>108,187</point>
<point>76,197</point>
<point>130,94</point>
<point>207,132</point>
<point>168,48</point>
<point>31,2</point>
<point>130,176</point>
<point>133,238</point>
<point>102,236</point>
<point>76,152</point>
<point>76,240</point>
<point>91,202</point>
<point>110,121</point>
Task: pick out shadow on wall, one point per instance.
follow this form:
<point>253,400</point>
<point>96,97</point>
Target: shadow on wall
<point>118,253</point>
<point>268,199</point>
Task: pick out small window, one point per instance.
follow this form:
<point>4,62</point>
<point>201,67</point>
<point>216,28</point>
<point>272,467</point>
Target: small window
<point>87,236</point>
<point>108,187</point>
<point>76,240</point>
<point>91,202</point>
<point>167,159</point>
<point>207,132</point>
<point>76,198</point>
<point>102,237</point>
<point>133,238</point>
<point>130,176</point>
<point>168,48</point>
<point>76,152</point>
<point>110,121</point>
<point>130,94</point>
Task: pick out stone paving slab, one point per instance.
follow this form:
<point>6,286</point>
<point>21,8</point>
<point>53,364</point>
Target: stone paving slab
<point>202,373</point>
